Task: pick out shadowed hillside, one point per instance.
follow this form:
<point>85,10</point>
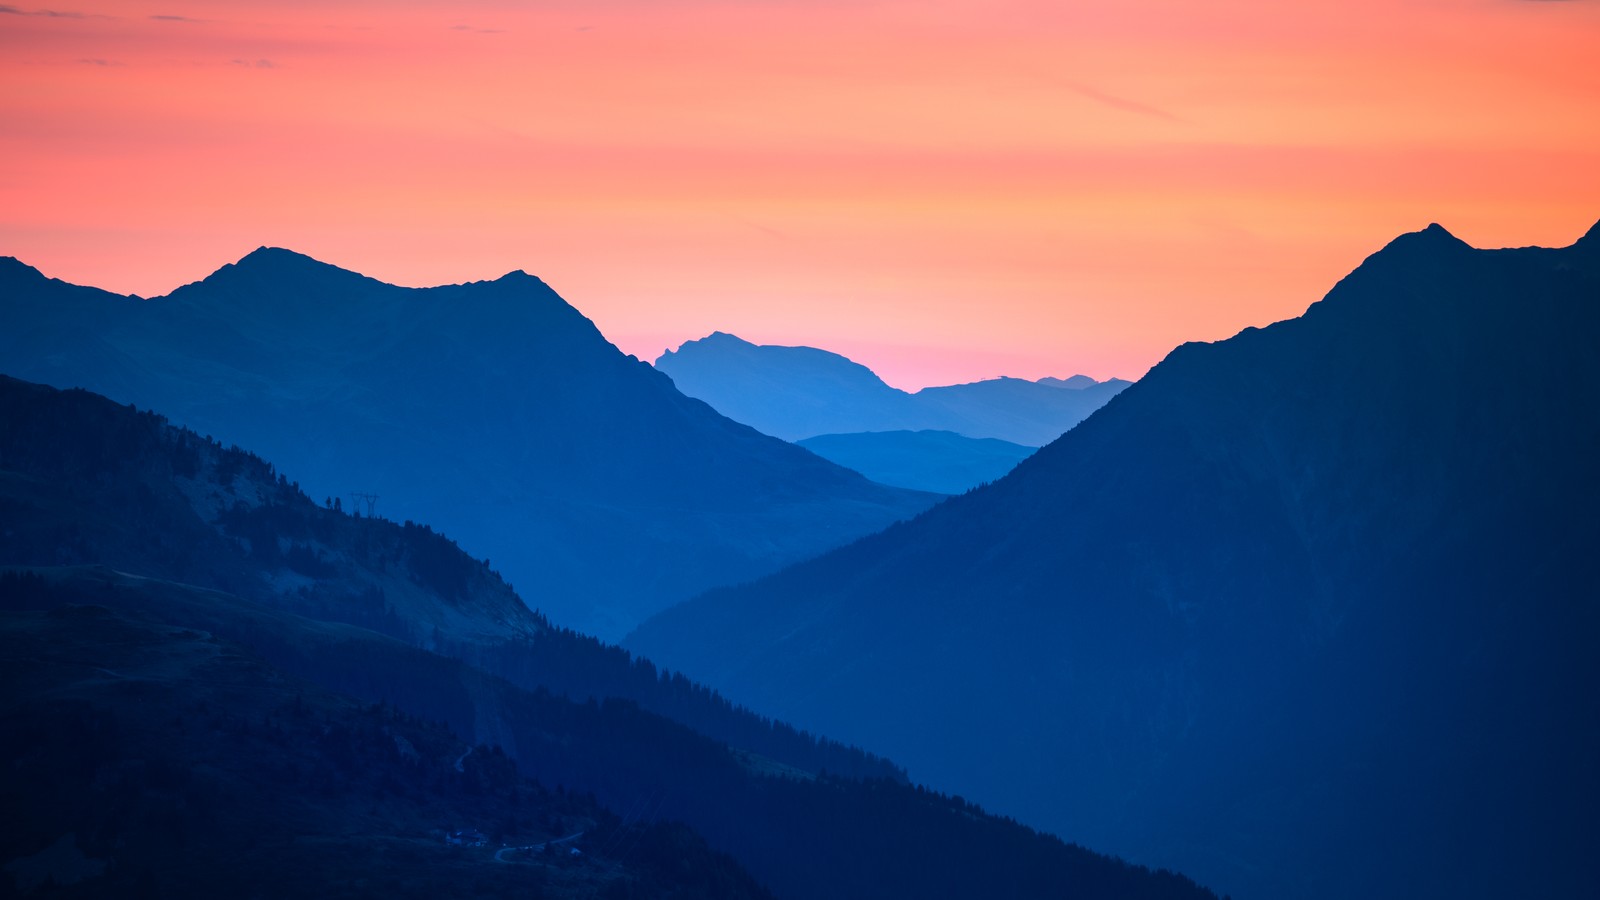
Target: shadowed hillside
<point>146,760</point>
<point>84,481</point>
<point>1310,612</point>
<point>107,505</point>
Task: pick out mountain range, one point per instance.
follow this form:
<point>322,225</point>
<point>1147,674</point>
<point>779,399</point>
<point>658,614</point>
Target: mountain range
<point>801,392</point>
<point>492,409</point>
<point>210,676</point>
<point>1306,613</point>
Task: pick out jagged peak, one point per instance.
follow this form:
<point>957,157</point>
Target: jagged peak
<point>1435,235</point>
<point>516,275</point>
<point>272,253</point>
<point>11,267</point>
<point>278,261</point>
<point>714,339</point>
<point>1431,242</point>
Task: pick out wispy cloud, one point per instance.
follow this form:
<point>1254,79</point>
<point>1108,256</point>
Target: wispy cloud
<point>185,19</point>
<point>1122,103</point>
<point>473,29</point>
<point>48,13</point>
<point>99,62</point>
<point>254,64</point>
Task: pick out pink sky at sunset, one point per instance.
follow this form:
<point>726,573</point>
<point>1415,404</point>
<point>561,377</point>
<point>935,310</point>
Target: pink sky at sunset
<point>944,191</point>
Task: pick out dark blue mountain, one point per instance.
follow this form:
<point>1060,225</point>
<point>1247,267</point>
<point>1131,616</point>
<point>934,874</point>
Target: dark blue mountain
<point>187,739</point>
<point>940,461</point>
<point>493,409</point>
<point>1310,612</point>
<point>802,392</point>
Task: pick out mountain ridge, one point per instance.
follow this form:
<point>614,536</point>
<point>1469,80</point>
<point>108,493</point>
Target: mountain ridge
<point>797,393</point>
<point>597,487</point>
<point>1333,514</point>
<point>397,615</point>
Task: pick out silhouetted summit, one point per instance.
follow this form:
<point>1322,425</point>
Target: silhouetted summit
<point>493,409</point>
<point>1308,612</point>
<point>280,269</point>
<point>14,270</point>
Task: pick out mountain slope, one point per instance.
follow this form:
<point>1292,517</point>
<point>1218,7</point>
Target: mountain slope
<point>107,505</point>
<point>86,482</point>
<point>1309,612</point>
<point>939,461</point>
<point>151,760</point>
<point>492,409</point>
<point>801,392</point>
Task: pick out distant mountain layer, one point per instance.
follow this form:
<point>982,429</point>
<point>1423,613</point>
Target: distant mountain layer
<point>491,409</point>
<point>802,392</point>
<point>105,505</point>
<point>940,461</point>
<point>1308,613</point>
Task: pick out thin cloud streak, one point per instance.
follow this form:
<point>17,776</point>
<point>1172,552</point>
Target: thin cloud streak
<point>1124,104</point>
<point>46,13</point>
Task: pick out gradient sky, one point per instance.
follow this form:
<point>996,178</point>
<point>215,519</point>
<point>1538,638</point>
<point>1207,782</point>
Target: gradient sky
<point>943,190</point>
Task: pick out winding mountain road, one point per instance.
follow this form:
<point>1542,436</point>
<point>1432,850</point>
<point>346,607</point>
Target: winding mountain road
<point>499,855</point>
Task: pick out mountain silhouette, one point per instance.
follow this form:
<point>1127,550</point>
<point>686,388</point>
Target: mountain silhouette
<point>1309,612</point>
<point>108,506</point>
<point>493,409</point>
<point>801,392</point>
<point>939,461</point>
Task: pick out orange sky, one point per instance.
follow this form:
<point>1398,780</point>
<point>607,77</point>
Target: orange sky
<point>943,190</point>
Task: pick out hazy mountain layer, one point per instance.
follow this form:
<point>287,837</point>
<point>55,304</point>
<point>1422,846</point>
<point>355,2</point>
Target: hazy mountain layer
<point>491,409</point>
<point>802,392</point>
<point>940,461</point>
<point>1310,612</point>
<point>350,604</point>
<point>84,481</point>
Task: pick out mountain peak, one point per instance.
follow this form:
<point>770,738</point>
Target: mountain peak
<point>270,268</point>
<point>719,340</point>
<point>1073,382</point>
<point>13,269</point>
<point>1435,235</point>
<point>1431,242</point>
<point>278,263</point>
<point>276,258</point>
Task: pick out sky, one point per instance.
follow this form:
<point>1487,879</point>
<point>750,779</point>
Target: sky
<point>944,190</point>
